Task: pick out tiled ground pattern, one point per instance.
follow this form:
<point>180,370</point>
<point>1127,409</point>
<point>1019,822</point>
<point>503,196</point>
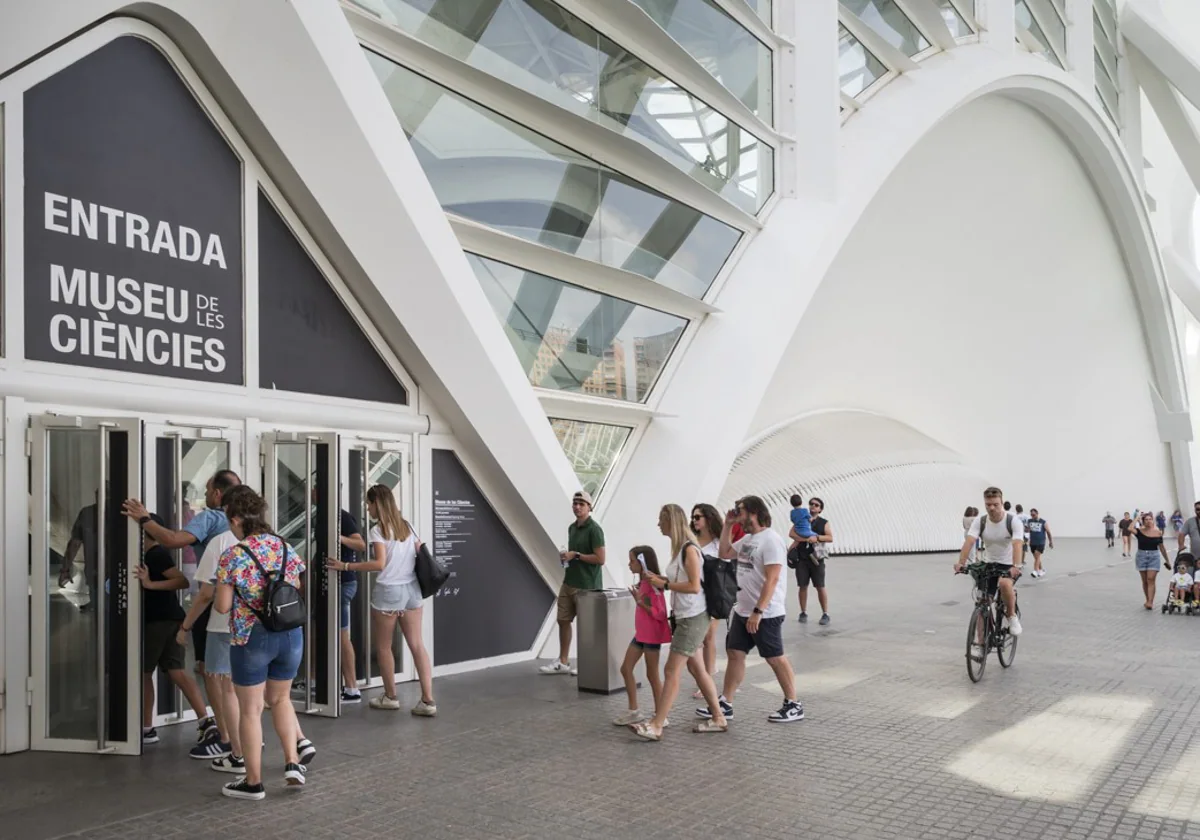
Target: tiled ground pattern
<point>1090,735</point>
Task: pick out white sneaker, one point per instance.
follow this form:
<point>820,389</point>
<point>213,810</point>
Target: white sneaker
<point>573,670</point>
<point>423,709</point>
<point>629,718</point>
<point>556,667</point>
<point>1014,626</point>
<point>384,702</point>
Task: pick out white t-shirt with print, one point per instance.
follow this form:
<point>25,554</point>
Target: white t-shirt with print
<point>206,572</point>
<point>997,542</point>
<point>1182,579</point>
<point>754,553</point>
<point>401,565</point>
<point>1024,518</point>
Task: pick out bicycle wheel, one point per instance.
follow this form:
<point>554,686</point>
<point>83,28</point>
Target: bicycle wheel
<point>1006,651</point>
<point>977,643</point>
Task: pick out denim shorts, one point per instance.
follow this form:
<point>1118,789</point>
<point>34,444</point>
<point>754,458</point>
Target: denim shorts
<point>216,654</point>
<point>267,656</point>
<point>1148,561</point>
<point>395,597</point>
<point>349,590</point>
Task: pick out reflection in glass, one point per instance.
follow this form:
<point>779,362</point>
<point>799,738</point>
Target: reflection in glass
<point>1106,89</point>
<point>1104,48</point>
<point>487,168</point>
<point>292,503</point>
<point>72,664</point>
<point>884,17</point>
<point>1026,21</point>
<point>180,496</point>
<point>592,449</point>
<point>720,44</point>
<point>954,21</point>
<point>575,340</point>
<point>543,49</point>
<point>858,68</point>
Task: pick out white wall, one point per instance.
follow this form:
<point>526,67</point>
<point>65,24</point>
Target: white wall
<point>988,250</point>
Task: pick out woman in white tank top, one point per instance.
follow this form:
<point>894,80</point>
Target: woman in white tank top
<point>706,526</point>
<point>689,613</point>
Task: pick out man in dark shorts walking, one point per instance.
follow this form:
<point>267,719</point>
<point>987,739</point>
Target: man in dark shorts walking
<point>812,567</point>
<point>1110,525</point>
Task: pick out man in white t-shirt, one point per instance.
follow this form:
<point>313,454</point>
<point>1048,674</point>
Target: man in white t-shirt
<point>758,614</point>
<point>1002,537</point>
<point>1024,518</point>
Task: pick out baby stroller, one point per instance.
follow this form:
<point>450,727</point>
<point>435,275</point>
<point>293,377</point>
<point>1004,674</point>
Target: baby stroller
<point>1184,562</point>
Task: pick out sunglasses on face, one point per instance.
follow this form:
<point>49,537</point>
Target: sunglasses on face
<point>696,517</point>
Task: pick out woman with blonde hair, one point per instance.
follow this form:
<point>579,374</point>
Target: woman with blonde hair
<point>396,596</point>
<point>690,621</point>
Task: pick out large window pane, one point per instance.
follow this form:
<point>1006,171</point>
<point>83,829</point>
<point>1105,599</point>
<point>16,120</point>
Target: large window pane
<point>592,449</point>
<point>885,17</point>
<point>543,49</point>
<point>1108,91</point>
<point>576,340</point>
<point>958,27</point>
<point>858,68</point>
<point>1026,21</point>
<point>490,169</point>
<point>721,45</point>
<point>1104,47</point>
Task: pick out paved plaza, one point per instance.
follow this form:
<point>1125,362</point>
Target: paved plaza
<point>1089,735</point>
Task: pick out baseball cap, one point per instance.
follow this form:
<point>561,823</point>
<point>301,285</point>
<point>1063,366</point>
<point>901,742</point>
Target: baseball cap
<point>583,496</point>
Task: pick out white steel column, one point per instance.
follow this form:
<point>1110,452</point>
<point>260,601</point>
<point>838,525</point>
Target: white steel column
<point>1081,42</point>
<point>999,22</point>
<point>809,97</point>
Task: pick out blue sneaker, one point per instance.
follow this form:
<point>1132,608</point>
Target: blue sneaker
<point>211,749</point>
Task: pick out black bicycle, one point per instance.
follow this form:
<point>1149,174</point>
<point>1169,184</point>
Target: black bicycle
<point>986,631</point>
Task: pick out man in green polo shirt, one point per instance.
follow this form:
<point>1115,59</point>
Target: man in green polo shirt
<point>582,560</point>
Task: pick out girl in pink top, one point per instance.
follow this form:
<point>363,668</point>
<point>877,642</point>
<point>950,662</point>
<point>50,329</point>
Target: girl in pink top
<point>651,632</point>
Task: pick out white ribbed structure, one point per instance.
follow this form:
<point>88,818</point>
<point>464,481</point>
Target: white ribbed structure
<point>886,486</point>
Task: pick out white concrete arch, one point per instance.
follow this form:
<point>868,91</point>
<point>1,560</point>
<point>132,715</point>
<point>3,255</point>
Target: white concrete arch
<point>739,352</point>
<point>852,460</point>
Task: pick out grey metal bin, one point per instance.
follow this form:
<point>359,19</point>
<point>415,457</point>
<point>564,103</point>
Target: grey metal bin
<point>605,628</point>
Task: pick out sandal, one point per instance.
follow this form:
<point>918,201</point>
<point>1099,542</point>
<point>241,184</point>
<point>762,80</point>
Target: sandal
<point>643,731</point>
<point>711,725</point>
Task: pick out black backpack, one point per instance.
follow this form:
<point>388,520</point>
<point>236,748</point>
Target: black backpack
<point>719,585</point>
<point>283,605</point>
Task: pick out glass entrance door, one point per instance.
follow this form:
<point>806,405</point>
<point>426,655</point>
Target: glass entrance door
<point>366,463</point>
<point>300,472</point>
<point>86,604</point>
<point>180,460</point>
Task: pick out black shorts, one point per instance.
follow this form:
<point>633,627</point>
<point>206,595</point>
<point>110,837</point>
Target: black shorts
<point>811,570</point>
<point>200,633</point>
<point>1037,548</point>
<point>159,648</point>
<point>994,572</point>
<point>1109,533</point>
<point>768,639</point>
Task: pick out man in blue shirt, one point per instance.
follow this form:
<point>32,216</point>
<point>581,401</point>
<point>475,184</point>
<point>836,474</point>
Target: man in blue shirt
<point>202,528</point>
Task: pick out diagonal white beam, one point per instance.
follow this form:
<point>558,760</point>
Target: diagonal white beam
<point>1184,279</point>
<point>1174,119</point>
<point>1144,26</point>
<point>929,20</point>
<point>874,42</point>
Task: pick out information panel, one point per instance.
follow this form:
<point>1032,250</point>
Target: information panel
<point>133,222</point>
<point>495,602</point>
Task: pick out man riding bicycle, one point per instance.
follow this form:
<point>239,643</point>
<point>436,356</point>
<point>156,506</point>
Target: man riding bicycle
<point>1003,536</point>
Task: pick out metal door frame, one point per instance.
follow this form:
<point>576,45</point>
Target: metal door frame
<point>332,652</point>
<point>404,446</point>
<point>151,432</point>
<point>39,620</point>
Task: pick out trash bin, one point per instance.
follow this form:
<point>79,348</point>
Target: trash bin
<point>605,628</point>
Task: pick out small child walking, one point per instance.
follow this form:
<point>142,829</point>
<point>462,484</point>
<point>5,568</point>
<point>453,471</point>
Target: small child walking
<point>651,632</point>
